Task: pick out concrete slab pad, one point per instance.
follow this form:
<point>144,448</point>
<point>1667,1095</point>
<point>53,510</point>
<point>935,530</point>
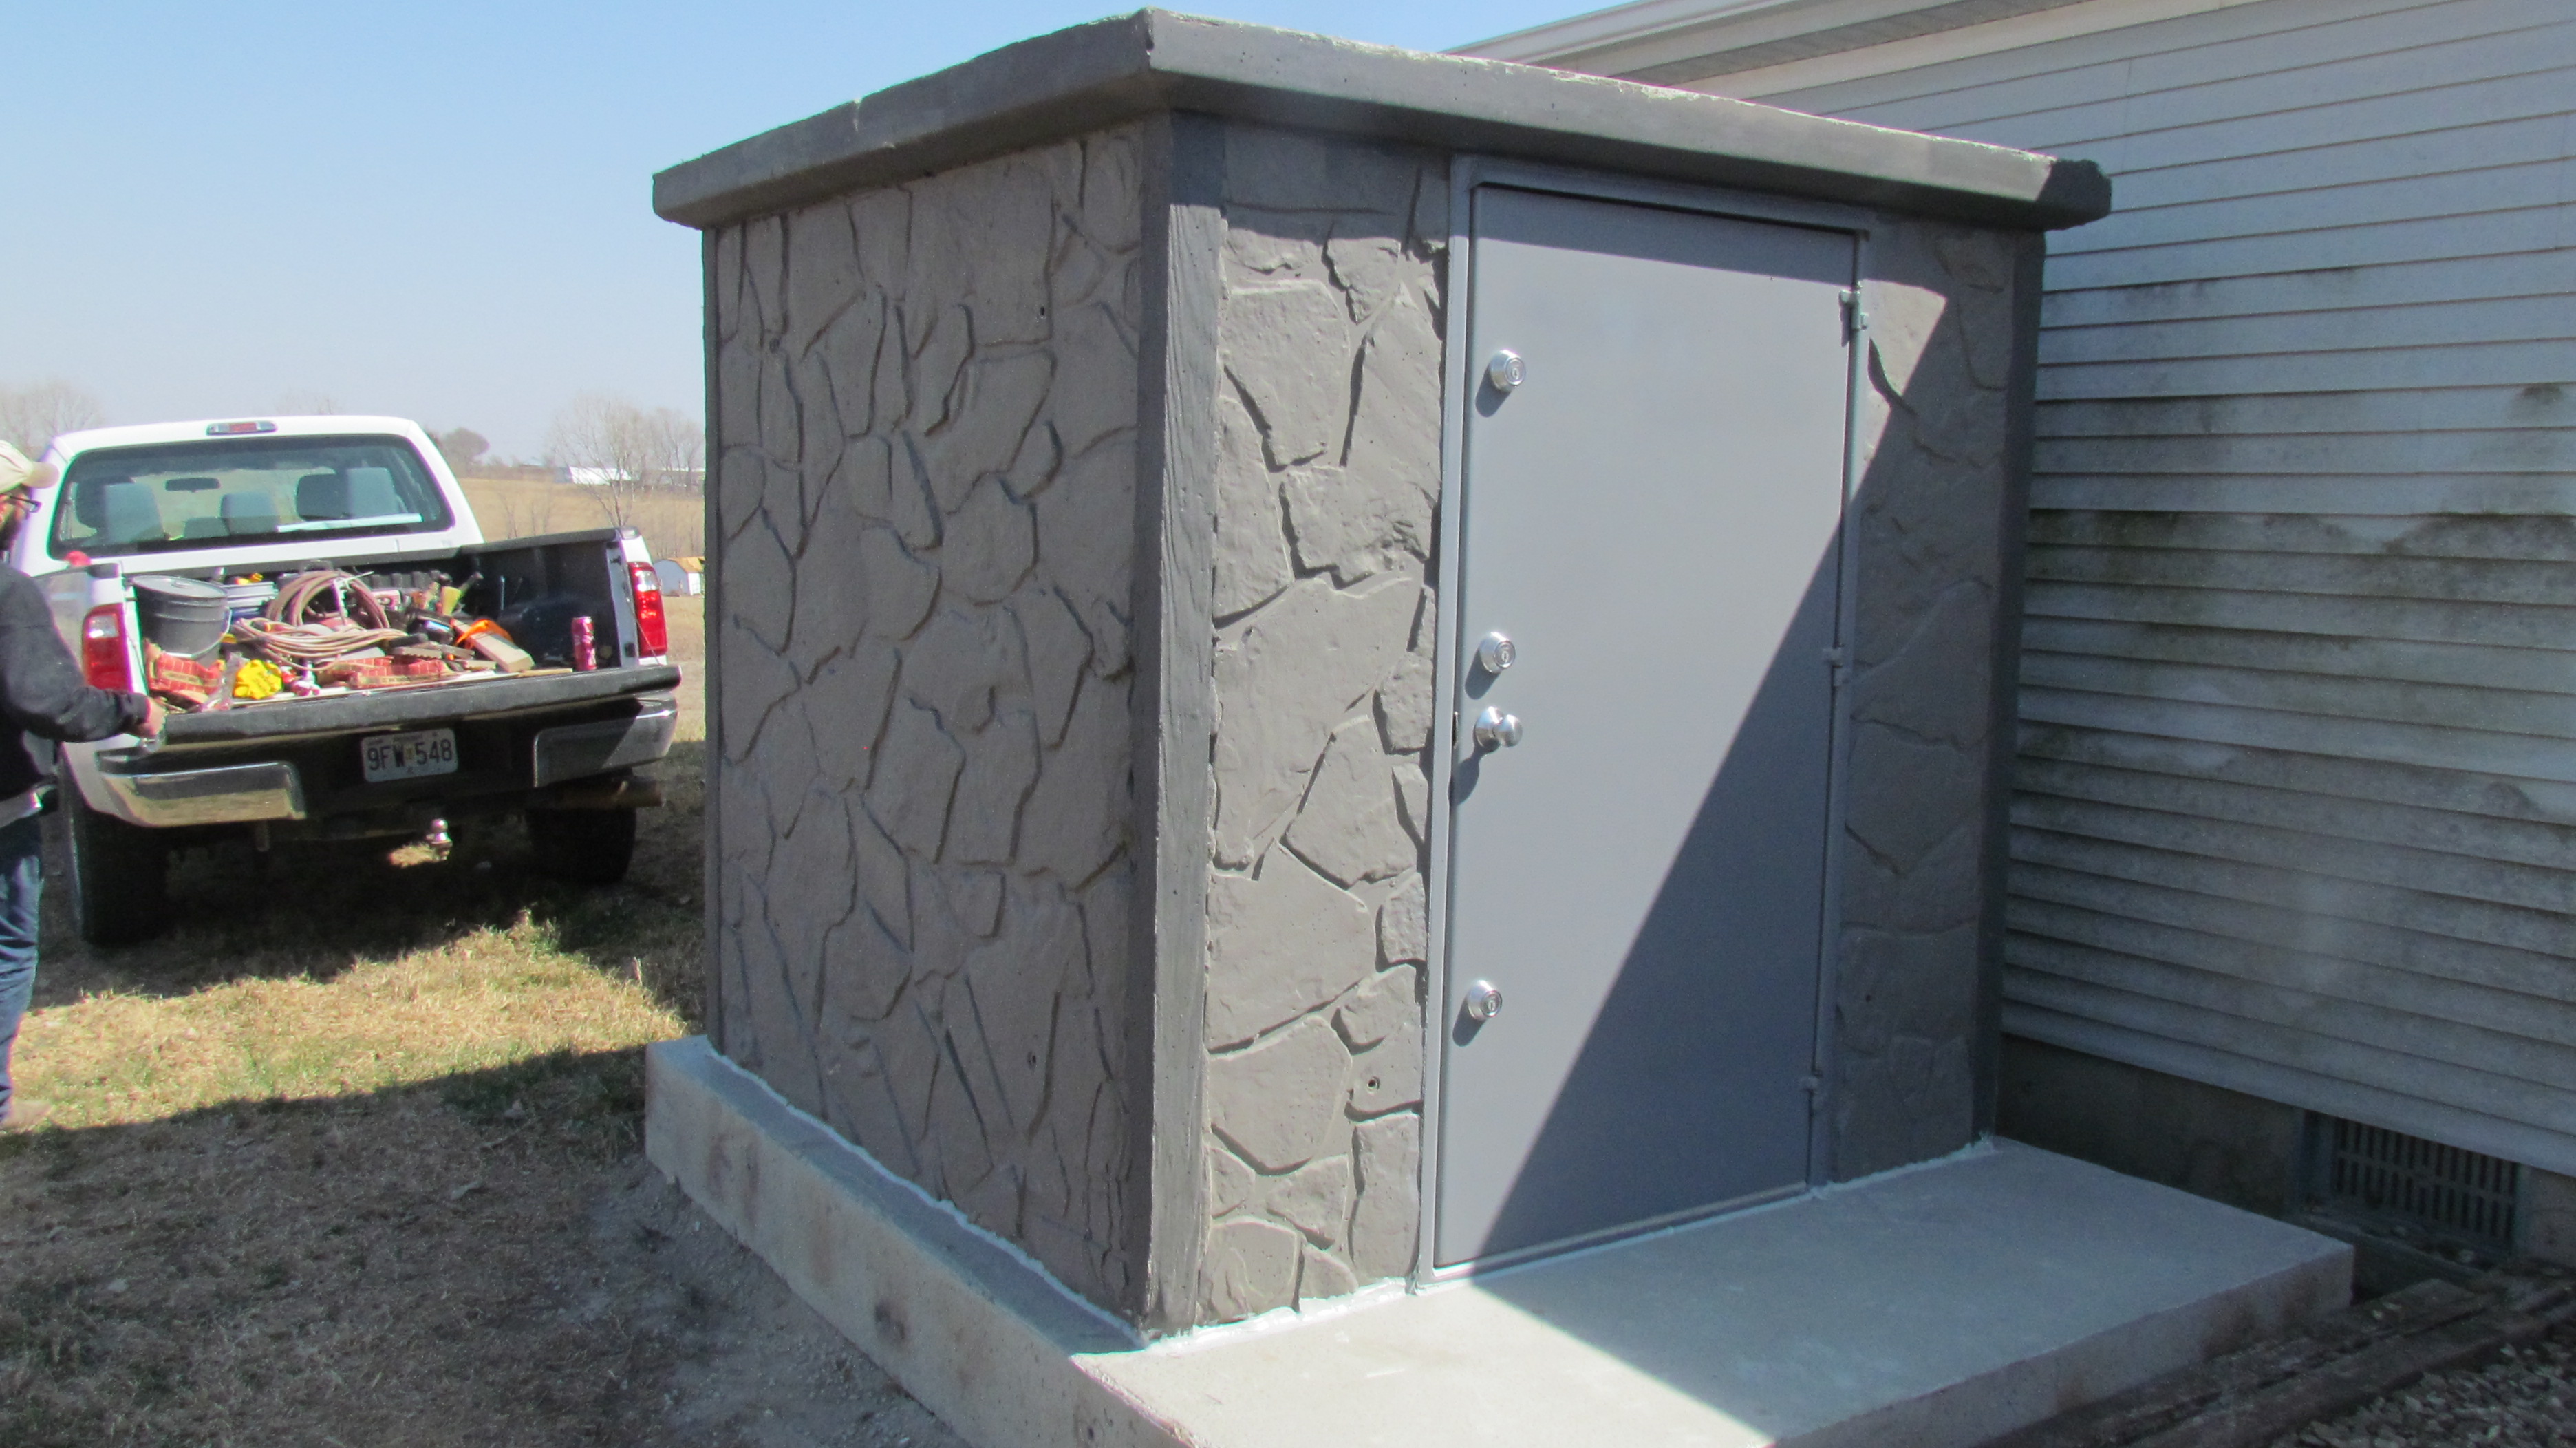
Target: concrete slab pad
<point>1942,1304</point>
<point>1938,1305</point>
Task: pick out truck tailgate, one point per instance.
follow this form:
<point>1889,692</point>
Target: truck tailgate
<point>383,708</point>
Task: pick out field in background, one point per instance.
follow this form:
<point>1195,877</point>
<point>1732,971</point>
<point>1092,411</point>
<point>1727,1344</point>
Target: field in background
<point>673,523</point>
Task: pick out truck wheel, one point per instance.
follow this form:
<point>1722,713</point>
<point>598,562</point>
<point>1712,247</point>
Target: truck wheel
<point>584,846</point>
<point>120,876</point>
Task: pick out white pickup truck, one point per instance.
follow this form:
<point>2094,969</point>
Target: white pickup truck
<point>218,502</point>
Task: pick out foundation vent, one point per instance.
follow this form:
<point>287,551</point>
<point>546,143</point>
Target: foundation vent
<point>2388,1176</point>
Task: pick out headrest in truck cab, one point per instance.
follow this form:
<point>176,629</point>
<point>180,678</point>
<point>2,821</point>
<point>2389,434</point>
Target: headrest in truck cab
<point>245,513</point>
<point>357,493</point>
<point>89,501</point>
<point>372,494</point>
<point>322,495</point>
<point>118,510</point>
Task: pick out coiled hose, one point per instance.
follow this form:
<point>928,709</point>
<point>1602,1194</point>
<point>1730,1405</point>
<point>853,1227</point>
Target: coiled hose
<point>282,632</point>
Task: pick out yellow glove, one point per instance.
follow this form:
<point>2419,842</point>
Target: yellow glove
<point>257,680</point>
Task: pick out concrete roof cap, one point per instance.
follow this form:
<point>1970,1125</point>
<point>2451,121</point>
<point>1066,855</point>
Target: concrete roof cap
<point>1109,71</point>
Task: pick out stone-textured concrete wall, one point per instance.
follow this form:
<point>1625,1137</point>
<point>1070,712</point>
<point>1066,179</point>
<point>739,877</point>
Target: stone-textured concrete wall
<point>1328,460</point>
<point>1936,519</point>
<point>926,497</point>
<point>926,836</point>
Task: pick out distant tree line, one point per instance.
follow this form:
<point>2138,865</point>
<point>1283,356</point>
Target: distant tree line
<point>462,447</point>
<point>627,452</point>
<point>31,417</point>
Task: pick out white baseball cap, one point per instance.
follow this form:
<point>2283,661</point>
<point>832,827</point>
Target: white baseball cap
<point>17,473</point>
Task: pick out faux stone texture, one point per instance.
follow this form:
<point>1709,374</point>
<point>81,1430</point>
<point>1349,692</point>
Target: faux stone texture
<point>1387,1005</point>
<point>926,402</point>
<point>1387,1076</point>
<point>1930,521</point>
<point>926,834</point>
<point>1250,1267</point>
<point>1286,677</point>
<point>1328,479</point>
<point>1278,1101</point>
<point>1349,827</point>
<point>1281,942</point>
<point>1386,1221</point>
<point>1316,1200</point>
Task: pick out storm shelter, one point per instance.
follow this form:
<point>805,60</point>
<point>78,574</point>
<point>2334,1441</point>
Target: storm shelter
<point>1333,669</point>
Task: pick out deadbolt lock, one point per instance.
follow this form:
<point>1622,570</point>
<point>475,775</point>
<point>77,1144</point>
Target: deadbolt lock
<point>1506,370</point>
<point>1495,652</point>
<point>1484,1001</point>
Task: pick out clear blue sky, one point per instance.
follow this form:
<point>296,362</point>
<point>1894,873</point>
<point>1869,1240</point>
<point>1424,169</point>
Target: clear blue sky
<point>439,211</point>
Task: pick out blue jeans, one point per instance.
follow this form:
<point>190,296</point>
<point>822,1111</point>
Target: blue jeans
<point>22,885</point>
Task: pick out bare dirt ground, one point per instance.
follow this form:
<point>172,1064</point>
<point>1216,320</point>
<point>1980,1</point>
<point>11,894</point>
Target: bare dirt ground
<point>410,1267</point>
<point>351,1159</point>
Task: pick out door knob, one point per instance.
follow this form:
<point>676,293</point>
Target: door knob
<point>1497,730</point>
<point>1484,1001</point>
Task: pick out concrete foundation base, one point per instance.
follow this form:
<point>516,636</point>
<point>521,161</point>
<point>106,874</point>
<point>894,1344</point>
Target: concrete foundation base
<point>2213,1142</point>
<point>1938,1305</point>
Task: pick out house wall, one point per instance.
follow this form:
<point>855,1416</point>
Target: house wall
<point>2296,812</point>
<point>925,402</point>
<point>2247,1151</point>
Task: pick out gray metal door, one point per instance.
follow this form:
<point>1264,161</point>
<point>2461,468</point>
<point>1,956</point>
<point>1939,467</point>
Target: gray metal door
<point>1652,517</point>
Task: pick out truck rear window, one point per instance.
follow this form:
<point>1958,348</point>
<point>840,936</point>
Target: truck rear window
<point>210,494</point>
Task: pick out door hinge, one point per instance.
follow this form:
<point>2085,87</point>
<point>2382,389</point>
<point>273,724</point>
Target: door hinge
<point>1855,320</point>
<point>1838,659</point>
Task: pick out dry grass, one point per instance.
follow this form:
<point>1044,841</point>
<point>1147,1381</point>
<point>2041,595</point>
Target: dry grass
<point>350,1159</point>
<point>490,998</point>
<point>321,971</point>
<point>673,524</point>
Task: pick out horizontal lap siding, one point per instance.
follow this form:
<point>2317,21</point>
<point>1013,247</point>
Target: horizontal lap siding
<point>2296,809</point>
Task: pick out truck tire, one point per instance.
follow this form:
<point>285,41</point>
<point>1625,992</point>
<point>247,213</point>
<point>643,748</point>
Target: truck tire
<point>584,846</point>
<point>120,876</point>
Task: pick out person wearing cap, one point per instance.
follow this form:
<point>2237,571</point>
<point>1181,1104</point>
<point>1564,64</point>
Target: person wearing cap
<point>43,695</point>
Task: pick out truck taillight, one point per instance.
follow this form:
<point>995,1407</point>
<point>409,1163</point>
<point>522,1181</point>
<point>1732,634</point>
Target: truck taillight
<point>652,635</point>
<point>103,657</point>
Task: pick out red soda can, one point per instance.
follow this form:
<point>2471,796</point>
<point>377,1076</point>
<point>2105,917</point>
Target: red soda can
<point>585,644</point>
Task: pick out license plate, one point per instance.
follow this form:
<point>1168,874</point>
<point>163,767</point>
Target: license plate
<point>407,756</point>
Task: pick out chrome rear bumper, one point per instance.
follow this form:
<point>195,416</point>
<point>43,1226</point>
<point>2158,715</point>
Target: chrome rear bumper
<point>577,751</point>
<point>231,794</point>
<point>563,755</point>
